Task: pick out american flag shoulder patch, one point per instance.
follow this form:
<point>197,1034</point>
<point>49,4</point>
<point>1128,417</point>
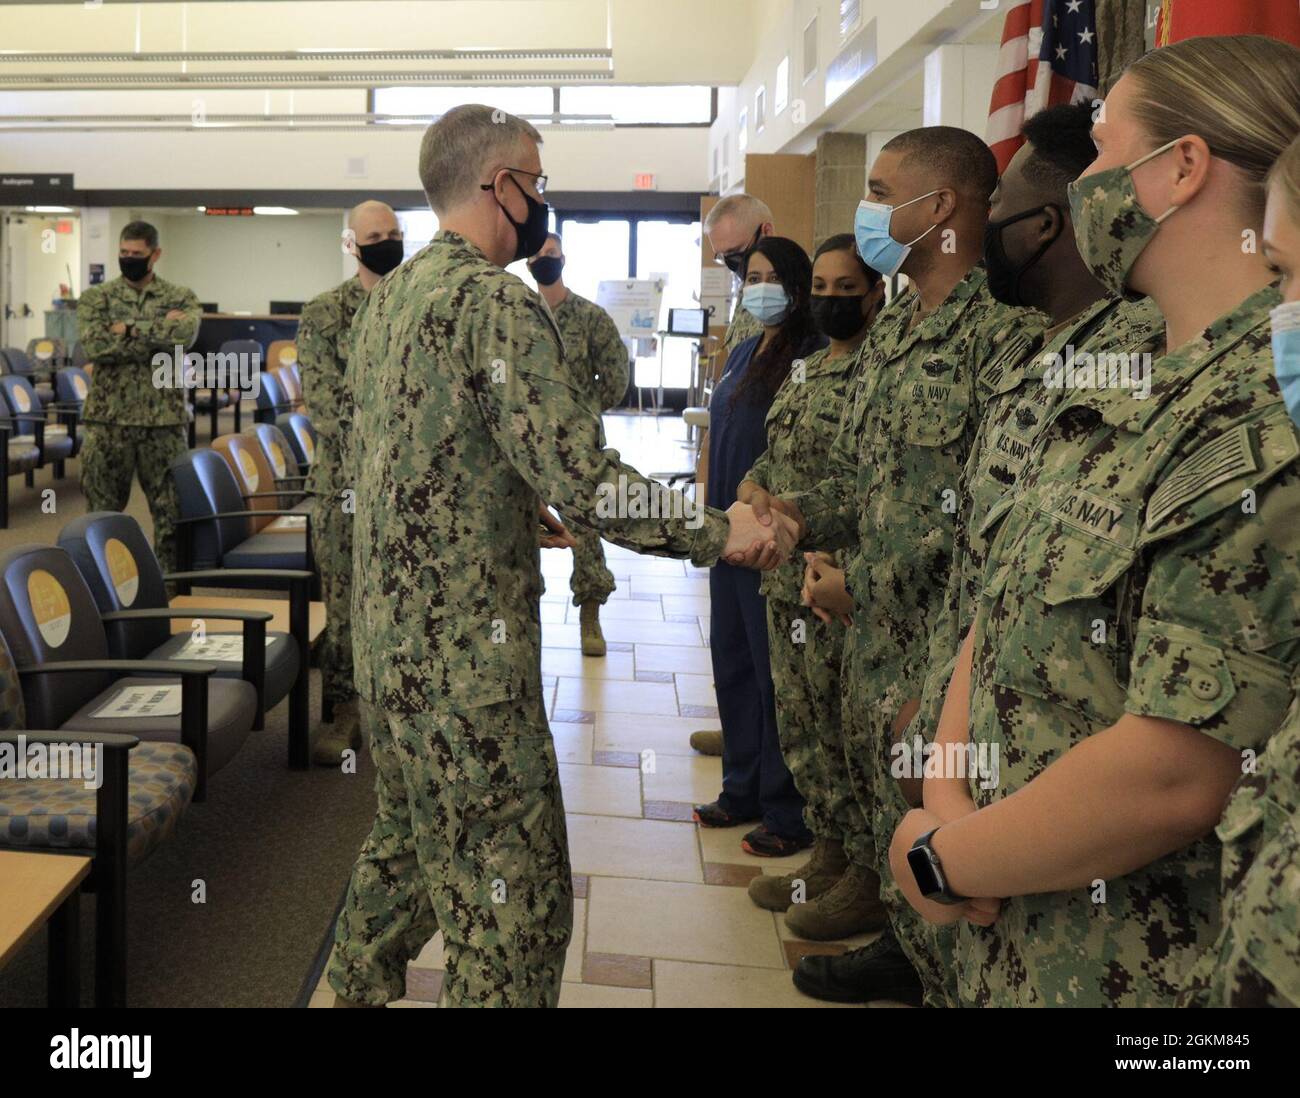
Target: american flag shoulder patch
<point>1223,459</point>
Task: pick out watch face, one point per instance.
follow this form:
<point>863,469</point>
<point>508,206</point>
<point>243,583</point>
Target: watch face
<point>926,878</point>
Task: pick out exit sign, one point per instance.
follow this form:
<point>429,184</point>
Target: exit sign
<point>645,182</point>
<point>228,211</point>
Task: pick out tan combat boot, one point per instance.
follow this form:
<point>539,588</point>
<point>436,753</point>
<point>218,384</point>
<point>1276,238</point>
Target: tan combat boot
<point>707,741</point>
<point>851,907</point>
<point>819,875</point>
<point>593,640</point>
<point>336,738</point>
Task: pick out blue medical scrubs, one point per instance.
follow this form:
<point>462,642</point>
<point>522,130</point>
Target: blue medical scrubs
<point>755,781</point>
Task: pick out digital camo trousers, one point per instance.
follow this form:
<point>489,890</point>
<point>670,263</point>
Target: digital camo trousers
<point>805,658</point>
<point>111,456</point>
<point>469,838</point>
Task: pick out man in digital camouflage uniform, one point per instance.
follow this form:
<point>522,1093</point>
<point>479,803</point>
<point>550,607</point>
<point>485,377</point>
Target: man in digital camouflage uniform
<point>134,427</point>
<point>598,359</point>
<point>929,365</point>
<point>374,237</point>
<point>466,421</point>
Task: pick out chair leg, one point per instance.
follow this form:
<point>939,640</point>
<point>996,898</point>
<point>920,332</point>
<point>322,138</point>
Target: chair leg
<point>213,413</point>
<point>109,873</point>
<point>63,964</point>
<point>300,696</point>
<point>239,401</point>
<point>58,470</point>
<point>4,501</point>
<point>29,478</point>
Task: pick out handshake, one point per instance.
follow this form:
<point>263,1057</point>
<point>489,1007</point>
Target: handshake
<point>764,529</point>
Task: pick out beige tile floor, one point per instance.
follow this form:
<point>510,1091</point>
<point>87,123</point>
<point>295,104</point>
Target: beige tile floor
<point>650,930</point>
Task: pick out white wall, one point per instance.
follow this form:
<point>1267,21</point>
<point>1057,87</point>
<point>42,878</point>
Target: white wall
<point>604,160</point>
<point>892,96</point>
<point>243,263</point>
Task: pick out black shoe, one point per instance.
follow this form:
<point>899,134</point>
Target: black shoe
<point>768,844</point>
<point>714,815</point>
<point>878,971</point>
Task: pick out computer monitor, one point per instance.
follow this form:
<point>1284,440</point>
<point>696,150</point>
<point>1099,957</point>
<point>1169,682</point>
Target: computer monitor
<point>287,308</point>
<point>688,322</point>
<point>209,307</point>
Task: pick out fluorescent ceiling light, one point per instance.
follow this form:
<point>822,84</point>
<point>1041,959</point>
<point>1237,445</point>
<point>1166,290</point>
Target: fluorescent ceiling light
<point>275,211</point>
<point>49,209</point>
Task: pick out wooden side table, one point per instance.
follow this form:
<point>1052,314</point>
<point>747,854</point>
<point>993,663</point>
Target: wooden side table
<point>36,889</point>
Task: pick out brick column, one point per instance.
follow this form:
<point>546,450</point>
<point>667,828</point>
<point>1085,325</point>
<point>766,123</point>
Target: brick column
<point>841,182</point>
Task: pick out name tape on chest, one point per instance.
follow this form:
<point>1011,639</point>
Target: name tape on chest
<point>1090,513</point>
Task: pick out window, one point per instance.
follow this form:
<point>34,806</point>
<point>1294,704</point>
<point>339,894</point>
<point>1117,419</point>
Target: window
<point>781,93</point>
<point>742,133</point>
<point>760,110</point>
<point>418,228</point>
<point>631,106</point>
<point>524,101</point>
<point>627,105</point>
<point>810,49</point>
<point>850,16</point>
<point>669,250</point>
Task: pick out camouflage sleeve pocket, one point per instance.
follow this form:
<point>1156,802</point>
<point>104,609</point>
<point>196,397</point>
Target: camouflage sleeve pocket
<point>1183,675</point>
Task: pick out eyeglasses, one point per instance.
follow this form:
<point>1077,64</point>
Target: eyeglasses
<point>540,185</point>
<point>734,259</point>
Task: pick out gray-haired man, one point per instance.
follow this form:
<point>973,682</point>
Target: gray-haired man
<point>466,421</point>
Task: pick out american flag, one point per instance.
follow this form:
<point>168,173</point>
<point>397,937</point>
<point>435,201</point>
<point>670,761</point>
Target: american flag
<point>1049,56</point>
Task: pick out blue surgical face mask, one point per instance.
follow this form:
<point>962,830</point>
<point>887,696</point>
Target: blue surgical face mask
<point>879,250</point>
<point>1286,355</point>
<point>766,302</point>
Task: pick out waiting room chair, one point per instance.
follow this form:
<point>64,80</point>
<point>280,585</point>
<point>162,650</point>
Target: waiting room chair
<point>144,790</point>
<point>281,352</point>
<point>21,455</point>
<point>13,360</point>
<point>71,386</point>
<point>118,565</point>
<point>217,544</point>
<point>258,485</point>
<point>271,399</point>
<point>56,441</point>
<point>297,428</point>
<point>290,384</point>
<point>57,637</point>
<point>284,465</point>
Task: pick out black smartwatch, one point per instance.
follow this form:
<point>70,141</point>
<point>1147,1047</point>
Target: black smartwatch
<point>928,871</point>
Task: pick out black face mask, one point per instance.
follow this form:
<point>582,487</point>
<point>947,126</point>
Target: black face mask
<point>530,234</point>
<point>839,317</point>
<point>382,256</point>
<point>547,269</point>
<point>134,268</point>
<point>734,261</point>
<point>1004,276</point>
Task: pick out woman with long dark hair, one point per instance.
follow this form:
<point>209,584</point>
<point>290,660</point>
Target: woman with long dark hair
<point>806,641</point>
<point>756,785</point>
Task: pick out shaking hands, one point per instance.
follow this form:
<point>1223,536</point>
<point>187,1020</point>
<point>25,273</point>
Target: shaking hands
<point>755,542</point>
<point>772,525</point>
